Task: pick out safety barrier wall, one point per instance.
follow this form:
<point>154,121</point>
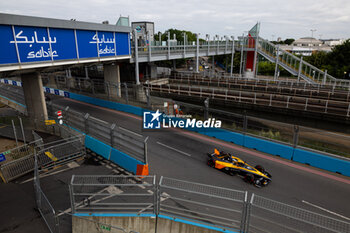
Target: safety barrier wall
<point>108,104</point>
<point>315,159</point>
<point>115,155</point>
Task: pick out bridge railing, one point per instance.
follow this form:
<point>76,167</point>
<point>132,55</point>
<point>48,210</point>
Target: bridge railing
<point>296,65</point>
<point>211,47</point>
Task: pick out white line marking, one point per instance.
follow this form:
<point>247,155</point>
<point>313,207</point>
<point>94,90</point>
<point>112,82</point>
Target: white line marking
<point>109,167</point>
<point>169,147</point>
<point>331,212</point>
<point>132,132</point>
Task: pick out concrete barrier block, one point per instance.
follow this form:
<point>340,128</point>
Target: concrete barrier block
<point>322,161</point>
<point>125,161</point>
<point>97,146</point>
<point>269,147</point>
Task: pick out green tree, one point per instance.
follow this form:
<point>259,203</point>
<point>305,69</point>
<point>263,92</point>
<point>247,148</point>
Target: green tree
<point>336,62</point>
<point>288,41</point>
<point>178,33</point>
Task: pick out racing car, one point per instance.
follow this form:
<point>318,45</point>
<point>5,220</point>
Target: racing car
<point>234,165</point>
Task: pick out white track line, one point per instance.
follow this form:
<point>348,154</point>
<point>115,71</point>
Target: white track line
<point>328,211</point>
<point>169,147</point>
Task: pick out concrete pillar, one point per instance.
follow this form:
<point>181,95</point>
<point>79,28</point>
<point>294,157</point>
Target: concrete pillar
<point>112,77</point>
<point>152,70</point>
<point>34,96</point>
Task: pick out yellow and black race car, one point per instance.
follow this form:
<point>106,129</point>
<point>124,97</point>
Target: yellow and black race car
<point>234,165</point>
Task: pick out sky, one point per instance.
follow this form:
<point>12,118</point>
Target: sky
<point>278,18</point>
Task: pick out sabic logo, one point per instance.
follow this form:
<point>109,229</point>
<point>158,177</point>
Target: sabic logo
<point>151,120</point>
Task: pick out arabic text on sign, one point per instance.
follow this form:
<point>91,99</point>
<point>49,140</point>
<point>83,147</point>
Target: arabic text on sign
<point>95,40</point>
<point>24,40</point>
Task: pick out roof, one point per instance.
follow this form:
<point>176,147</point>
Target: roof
<point>22,20</point>
<point>307,40</point>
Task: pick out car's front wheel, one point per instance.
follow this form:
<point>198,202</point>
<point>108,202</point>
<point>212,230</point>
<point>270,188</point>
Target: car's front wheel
<point>249,178</point>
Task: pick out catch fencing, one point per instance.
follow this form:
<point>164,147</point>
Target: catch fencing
<point>206,206</point>
<point>266,215</point>
<point>124,140</point>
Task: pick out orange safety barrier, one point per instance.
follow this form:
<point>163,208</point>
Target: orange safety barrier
<point>142,170</point>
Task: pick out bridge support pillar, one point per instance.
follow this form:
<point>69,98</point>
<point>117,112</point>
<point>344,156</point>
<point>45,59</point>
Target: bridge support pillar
<point>34,96</point>
<point>112,78</point>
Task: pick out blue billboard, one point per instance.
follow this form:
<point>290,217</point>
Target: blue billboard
<point>23,44</point>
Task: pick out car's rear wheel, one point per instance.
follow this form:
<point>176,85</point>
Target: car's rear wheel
<point>210,163</point>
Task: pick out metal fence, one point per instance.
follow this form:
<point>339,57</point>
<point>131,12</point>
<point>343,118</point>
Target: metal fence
<point>23,159</point>
<point>266,215</point>
<point>61,152</point>
<point>113,194</point>
<point>119,138</point>
<point>52,217</point>
<point>49,155</point>
<point>45,208</point>
<point>203,205</point>
<point>209,205</point>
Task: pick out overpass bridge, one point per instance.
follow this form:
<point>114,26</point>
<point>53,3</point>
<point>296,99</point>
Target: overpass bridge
<point>32,45</point>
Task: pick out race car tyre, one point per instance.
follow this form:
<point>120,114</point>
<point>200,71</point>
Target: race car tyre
<point>260,168</point>
<point>210,163</point>
<point>249,178</point>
